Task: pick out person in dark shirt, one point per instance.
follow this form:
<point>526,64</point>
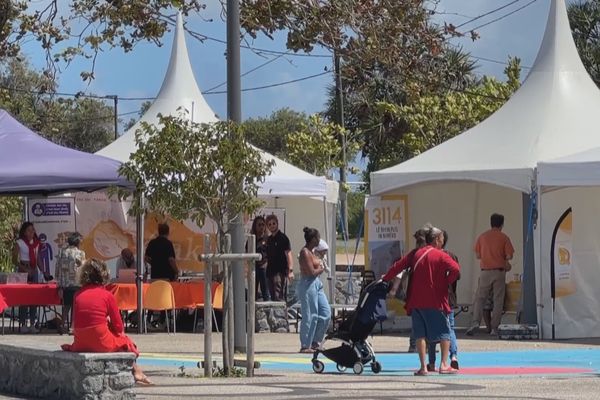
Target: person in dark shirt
<point>259,229</point>
<point>280,266</point>
<point>160,254</point>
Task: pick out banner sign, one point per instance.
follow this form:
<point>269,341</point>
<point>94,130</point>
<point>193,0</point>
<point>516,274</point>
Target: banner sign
<point>54,220</point>
<point>386,228</point>
<point>563,283</point>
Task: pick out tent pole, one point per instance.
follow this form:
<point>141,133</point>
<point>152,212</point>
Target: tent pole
<point>139,235</point>
<point>331,277</point>
<point>528,289</point>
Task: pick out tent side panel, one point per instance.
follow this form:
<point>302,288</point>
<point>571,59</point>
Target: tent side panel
<point>463,209</point>
<point>576,314</point>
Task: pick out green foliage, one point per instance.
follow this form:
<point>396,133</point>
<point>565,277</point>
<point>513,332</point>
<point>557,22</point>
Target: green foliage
<point>271,134</point>
<point>584,18</point>
<point>11,212</point>
<point>430,120</point>
<point>90,27</point>
<point>316,146</point>
<point>191,170</point>
<point>356,207</point>
<point>81,123</point>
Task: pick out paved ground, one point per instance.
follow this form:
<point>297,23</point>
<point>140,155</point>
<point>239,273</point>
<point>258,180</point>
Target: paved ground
<point>491,369</point>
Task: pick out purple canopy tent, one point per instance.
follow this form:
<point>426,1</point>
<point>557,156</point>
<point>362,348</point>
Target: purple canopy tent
<point>30,164</point>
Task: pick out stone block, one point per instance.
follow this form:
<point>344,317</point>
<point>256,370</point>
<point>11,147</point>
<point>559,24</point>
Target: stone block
<point>122,380</point>
<point>93,384</point>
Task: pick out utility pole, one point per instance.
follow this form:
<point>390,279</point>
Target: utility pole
<point>339,119</point>
<point>115,99</point>
<point>234,113</point>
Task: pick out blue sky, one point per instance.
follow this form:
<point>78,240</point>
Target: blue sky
<point>140,73</point>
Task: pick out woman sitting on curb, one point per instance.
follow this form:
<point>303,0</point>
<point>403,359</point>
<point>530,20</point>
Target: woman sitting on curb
<point>97,324</point>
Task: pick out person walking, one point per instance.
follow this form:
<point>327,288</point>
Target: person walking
<point>453,352</point>
<point>314,306</point>
<point>68,262</point>
<point>280,266</point>
<point>494,250</point>
<point>427,301</point>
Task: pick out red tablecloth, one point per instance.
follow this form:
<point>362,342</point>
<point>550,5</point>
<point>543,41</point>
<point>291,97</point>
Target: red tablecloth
<point>187,294</point>
<point>28,295</point>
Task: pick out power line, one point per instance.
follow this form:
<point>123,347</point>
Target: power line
<point>487,13</point>
<point>504,16</point>
<point>276,84</point>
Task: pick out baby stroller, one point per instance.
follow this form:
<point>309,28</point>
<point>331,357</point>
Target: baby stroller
<point>355,351</point>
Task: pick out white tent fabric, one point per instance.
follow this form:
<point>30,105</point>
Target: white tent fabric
<point>553,114</point>
<point>492,167</point>
<point>180,93</point>
<point>579,169</point>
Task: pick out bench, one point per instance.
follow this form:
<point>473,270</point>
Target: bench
<point>43,371</point>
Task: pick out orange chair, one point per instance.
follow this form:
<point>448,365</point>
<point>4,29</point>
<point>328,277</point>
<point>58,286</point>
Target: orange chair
<point>217,304</point>
<point>160,297</point>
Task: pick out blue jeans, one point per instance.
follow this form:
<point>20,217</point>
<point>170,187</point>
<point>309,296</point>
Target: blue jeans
<point>453,345</point>
<point>315,309</point>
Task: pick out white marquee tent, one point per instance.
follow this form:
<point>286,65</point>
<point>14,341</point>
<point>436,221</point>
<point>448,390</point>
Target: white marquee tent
<point>570,185</point>
<point>309,200</point>
<point>492,167</point>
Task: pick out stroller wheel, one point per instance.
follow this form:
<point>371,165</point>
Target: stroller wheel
<point>358,368</point>
<point>376,367</point>
<point>318,366</point>
<point>340,368</point>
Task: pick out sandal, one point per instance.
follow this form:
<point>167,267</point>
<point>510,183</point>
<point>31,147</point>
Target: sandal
<point>448,371</point>
<point>430,367</point>
<point>306,350</point>
<point>421,372</point>
<point>454,364</point>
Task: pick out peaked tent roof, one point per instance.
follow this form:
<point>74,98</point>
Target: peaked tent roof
<point>180,90</point>
<point>30,164</point>
<point>554,113</point>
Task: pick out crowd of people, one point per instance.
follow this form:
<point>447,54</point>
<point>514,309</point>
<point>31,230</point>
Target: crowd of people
<point>431,295</point>
<point>430,298</point>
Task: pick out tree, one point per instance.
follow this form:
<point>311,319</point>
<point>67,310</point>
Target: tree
<point>11,211</point>
<point>87,27</point>
<point>270,134</point>
<point>584,18</point>
<point>193,171</point>
<point>84,124</point>
<point>433,119</point>
<point>315,147</point>
<point>143,108</point>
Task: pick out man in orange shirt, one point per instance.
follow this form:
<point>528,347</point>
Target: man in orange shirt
<point>494,250</point>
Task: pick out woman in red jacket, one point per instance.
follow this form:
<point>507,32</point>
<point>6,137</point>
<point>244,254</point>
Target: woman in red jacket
<point>97,324</point>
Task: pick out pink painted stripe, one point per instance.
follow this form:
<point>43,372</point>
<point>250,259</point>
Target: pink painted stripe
<point>522,370</point>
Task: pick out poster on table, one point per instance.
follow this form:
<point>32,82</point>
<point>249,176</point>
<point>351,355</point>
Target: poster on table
<point>107,228</point>
<point>386,230</point>
<point>54,220</point>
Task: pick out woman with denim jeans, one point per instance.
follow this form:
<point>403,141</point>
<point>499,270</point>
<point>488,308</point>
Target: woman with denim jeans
<point>314,306</point>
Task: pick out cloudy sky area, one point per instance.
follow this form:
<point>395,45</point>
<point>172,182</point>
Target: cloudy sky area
<point>140,73</point>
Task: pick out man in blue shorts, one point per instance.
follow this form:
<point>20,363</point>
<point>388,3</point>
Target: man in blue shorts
<point>433,271</point>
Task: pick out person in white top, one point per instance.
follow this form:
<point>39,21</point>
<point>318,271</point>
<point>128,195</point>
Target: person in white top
<point>25,257</point>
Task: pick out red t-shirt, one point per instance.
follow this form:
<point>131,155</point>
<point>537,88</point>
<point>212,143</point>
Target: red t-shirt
<point>429,281</point>
<point>92,305</point>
